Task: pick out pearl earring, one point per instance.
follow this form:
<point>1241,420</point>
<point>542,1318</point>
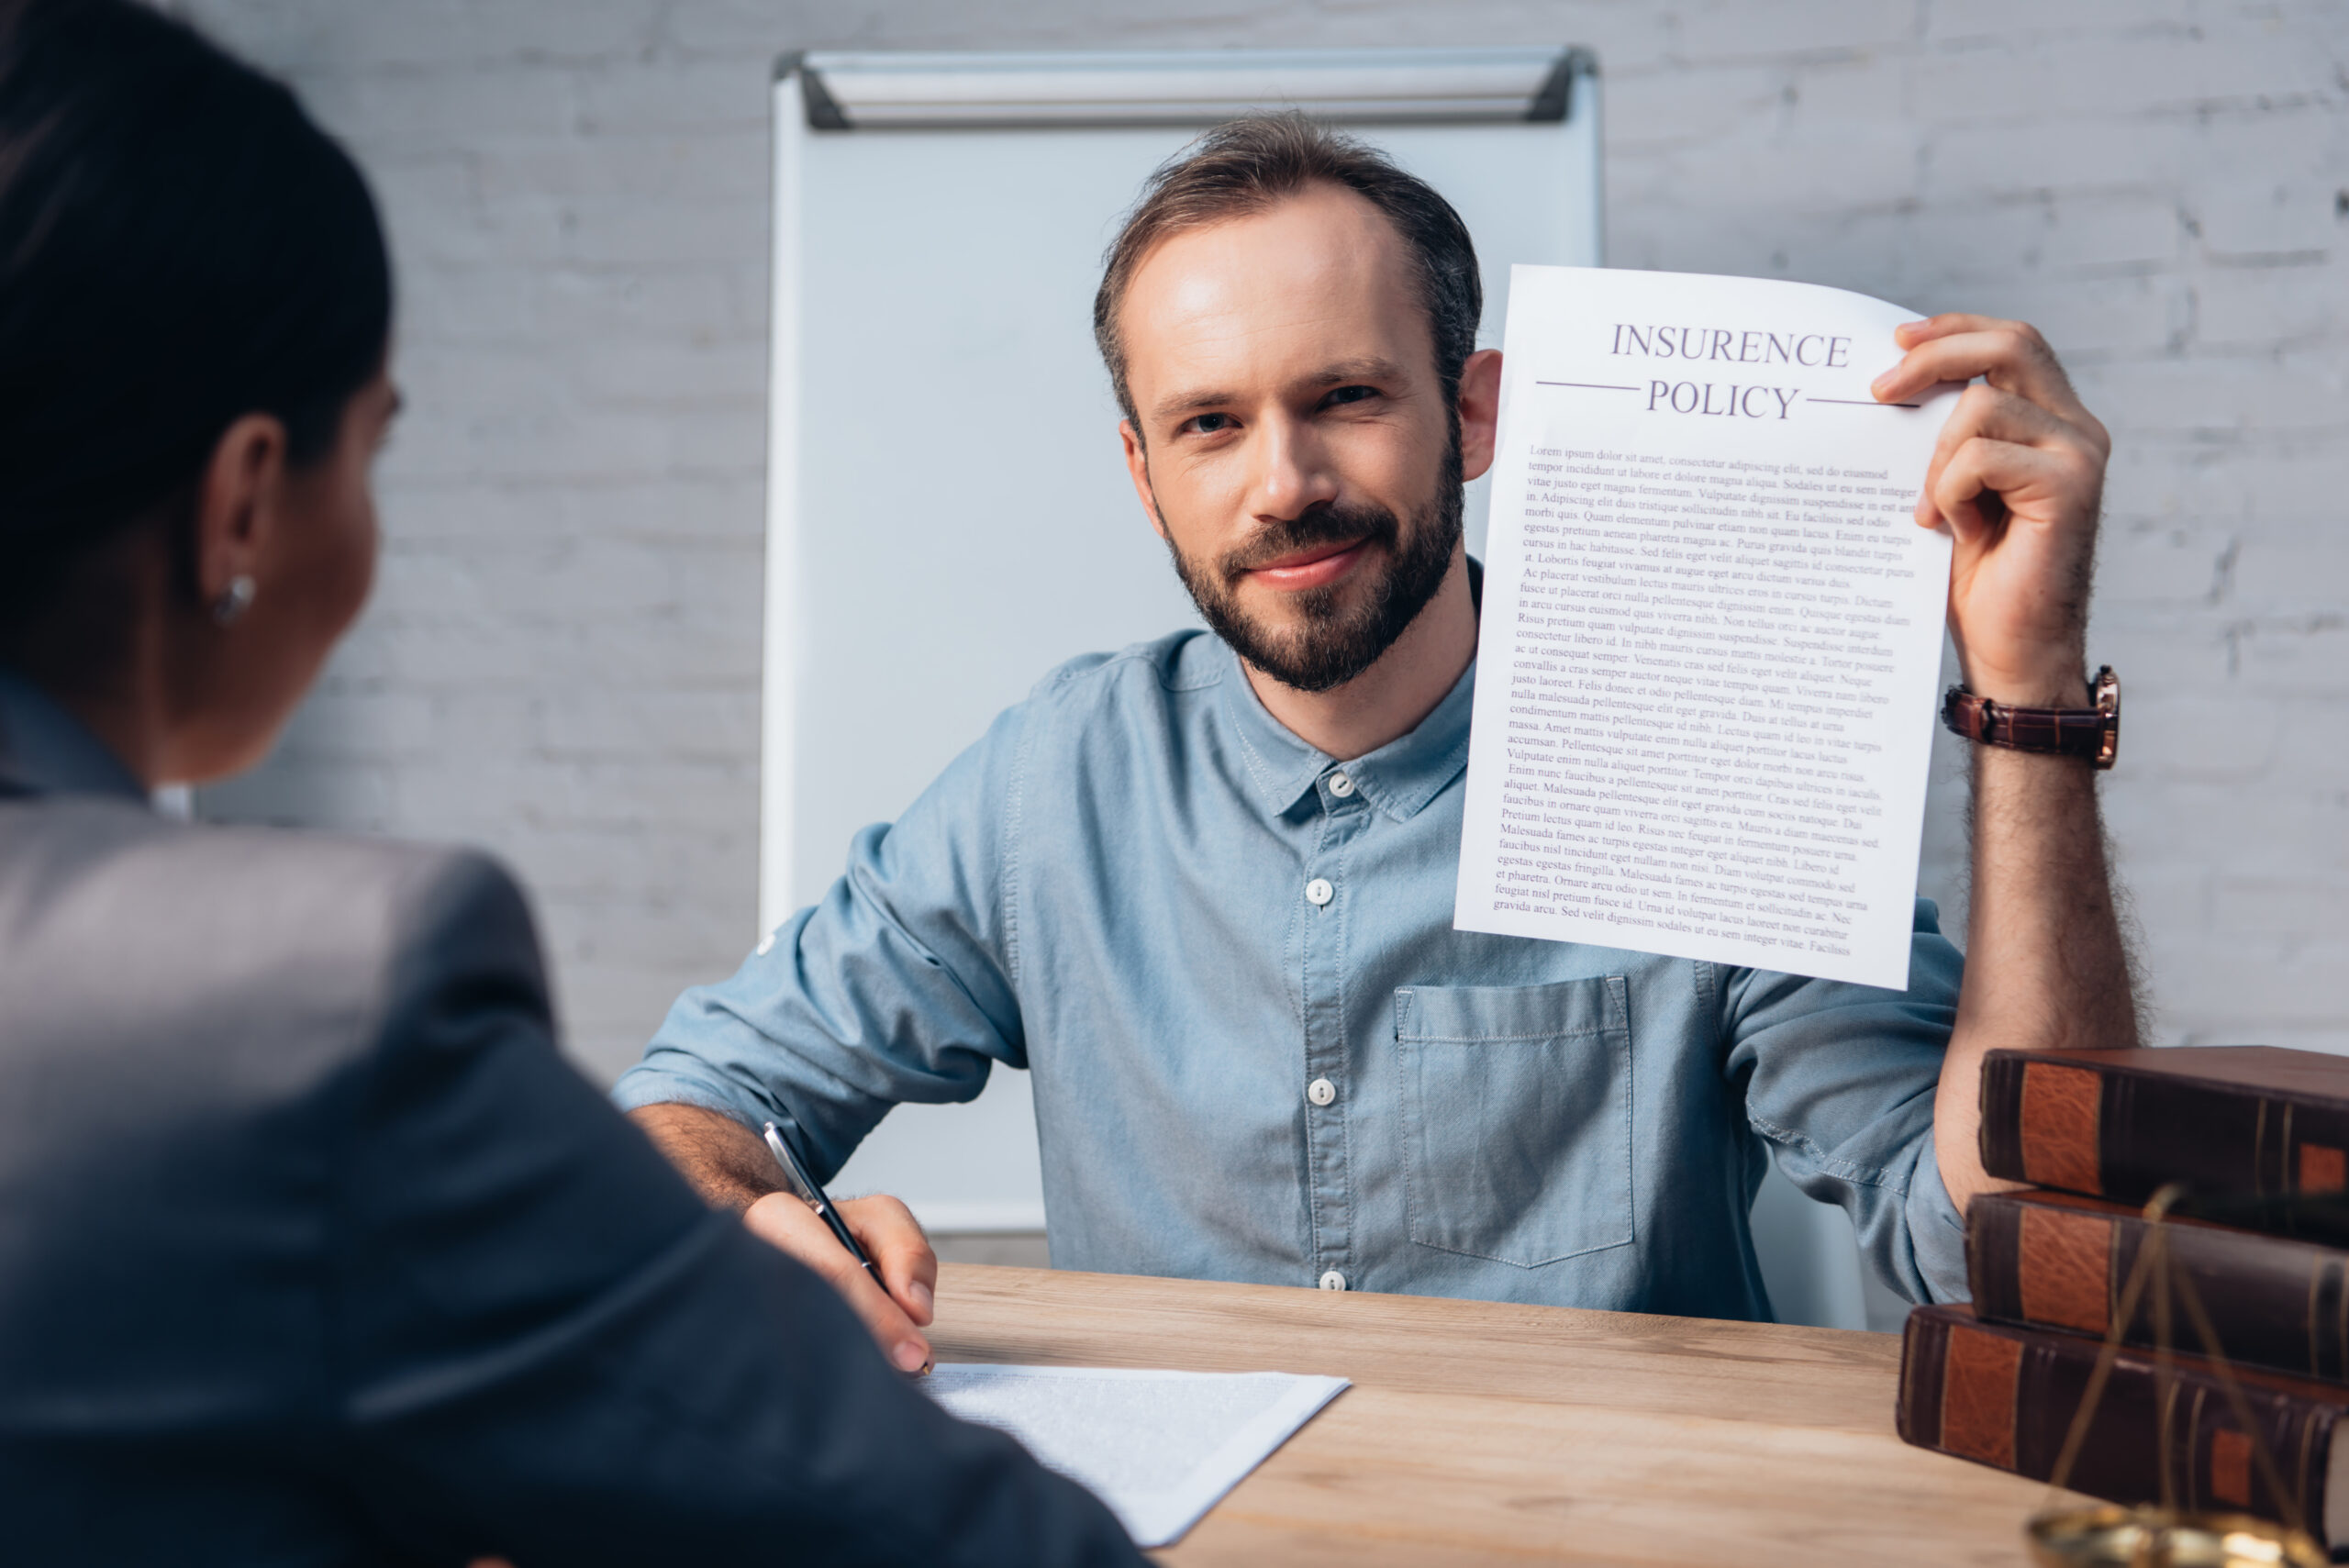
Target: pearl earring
<point>234,601</point>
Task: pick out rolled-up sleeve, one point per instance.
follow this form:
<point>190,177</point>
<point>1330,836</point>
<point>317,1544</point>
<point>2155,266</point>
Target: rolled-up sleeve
<point>1840,1081</point>
<point>898,986</point>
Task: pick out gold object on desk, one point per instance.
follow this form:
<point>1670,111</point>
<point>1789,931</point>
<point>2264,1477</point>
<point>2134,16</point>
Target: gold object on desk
<point>2162,1535</point>
<point>2110,1535</point>
<point>1480,1434</point>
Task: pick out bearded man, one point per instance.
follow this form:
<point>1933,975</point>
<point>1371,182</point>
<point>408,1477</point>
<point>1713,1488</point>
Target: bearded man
<point>1202,889</point>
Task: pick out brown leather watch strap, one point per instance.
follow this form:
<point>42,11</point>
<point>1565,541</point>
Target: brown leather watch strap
<point>2090,732</point>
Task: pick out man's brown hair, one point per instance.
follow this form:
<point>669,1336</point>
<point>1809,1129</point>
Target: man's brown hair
<point>1254,163</point>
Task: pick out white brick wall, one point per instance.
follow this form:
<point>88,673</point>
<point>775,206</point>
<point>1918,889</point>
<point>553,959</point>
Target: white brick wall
<point>562,660</point>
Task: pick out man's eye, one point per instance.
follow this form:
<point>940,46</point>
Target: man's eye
<point>1348,395</point>
<point>1206,424</point>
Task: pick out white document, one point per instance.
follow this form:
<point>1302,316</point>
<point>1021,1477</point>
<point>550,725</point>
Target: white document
<point>1159,1447</point>
<point>1711,628</point>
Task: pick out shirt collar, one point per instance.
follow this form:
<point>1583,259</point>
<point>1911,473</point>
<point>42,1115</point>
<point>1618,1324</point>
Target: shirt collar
<point>1398,779</point>
<point>45,750</point>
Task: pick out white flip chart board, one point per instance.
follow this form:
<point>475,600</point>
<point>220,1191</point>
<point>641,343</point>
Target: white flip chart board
<point>948,513</point>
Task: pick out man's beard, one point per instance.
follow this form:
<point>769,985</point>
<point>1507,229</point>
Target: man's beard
<point>1334,642</point>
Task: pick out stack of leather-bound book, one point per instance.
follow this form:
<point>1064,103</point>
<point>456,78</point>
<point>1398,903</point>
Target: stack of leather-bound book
<point>2258,1240</point>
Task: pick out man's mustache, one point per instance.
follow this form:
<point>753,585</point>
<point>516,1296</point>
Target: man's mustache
<point>1324,522</point>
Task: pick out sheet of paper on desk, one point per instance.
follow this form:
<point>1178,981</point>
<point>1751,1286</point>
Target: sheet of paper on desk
<point>1159,1447</point>
<point>1711,628</point>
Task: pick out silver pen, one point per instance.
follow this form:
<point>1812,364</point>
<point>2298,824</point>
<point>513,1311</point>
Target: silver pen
<point>805,1189</point>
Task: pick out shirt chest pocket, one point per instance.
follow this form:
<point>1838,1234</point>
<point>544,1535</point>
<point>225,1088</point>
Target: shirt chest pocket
<point>1517,1118</point>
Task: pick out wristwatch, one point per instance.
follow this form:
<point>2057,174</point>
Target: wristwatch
<point>2090,732</point>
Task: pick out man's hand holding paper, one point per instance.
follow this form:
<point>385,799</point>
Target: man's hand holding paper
<point>2017,476</point>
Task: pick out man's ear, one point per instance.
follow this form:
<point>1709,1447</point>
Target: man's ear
<point>1480,411</point>
<point>1138,469</point>
<point>239,501</point>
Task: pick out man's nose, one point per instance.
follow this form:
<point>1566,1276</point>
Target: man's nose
<point>1293,470</point>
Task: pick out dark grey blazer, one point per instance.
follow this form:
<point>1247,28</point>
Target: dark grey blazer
<point>312,1251</point>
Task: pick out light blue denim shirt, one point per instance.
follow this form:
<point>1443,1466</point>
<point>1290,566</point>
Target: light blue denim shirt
<point>1260,1052</point>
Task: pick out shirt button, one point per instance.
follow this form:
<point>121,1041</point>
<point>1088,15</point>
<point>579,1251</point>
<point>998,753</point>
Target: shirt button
<point>1320,1091</point>
<point>1333,1279</point>
<point>1341,785</point>
<point>1319,892</point>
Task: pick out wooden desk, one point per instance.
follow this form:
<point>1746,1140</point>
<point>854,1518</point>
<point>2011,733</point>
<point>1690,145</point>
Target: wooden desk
<point>1483,1433</point>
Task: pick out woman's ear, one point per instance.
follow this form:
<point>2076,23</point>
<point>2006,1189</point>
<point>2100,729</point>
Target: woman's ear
<point>240,500</point>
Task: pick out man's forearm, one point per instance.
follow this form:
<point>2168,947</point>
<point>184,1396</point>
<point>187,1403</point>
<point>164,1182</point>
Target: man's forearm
<point>2046,964</point>
<point>724,1161</point>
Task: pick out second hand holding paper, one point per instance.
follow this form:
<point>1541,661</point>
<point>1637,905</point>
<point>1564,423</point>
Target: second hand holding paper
<point>1711,628</point>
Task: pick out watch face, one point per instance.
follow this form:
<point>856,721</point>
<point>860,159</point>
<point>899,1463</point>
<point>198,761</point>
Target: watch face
<point>2108,705</point>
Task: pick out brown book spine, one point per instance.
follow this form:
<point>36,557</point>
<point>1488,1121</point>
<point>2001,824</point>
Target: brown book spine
<point>2120,1132</point>
<point>2005,1396</point>
<point>2052,1261</point>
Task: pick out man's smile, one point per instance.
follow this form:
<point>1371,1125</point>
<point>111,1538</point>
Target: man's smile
<point>1315,566</point>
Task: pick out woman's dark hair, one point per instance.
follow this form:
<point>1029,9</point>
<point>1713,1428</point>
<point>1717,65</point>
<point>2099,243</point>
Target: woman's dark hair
<point>179,245</point>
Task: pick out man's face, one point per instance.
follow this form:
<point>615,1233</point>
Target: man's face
<point>1295,450</point>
